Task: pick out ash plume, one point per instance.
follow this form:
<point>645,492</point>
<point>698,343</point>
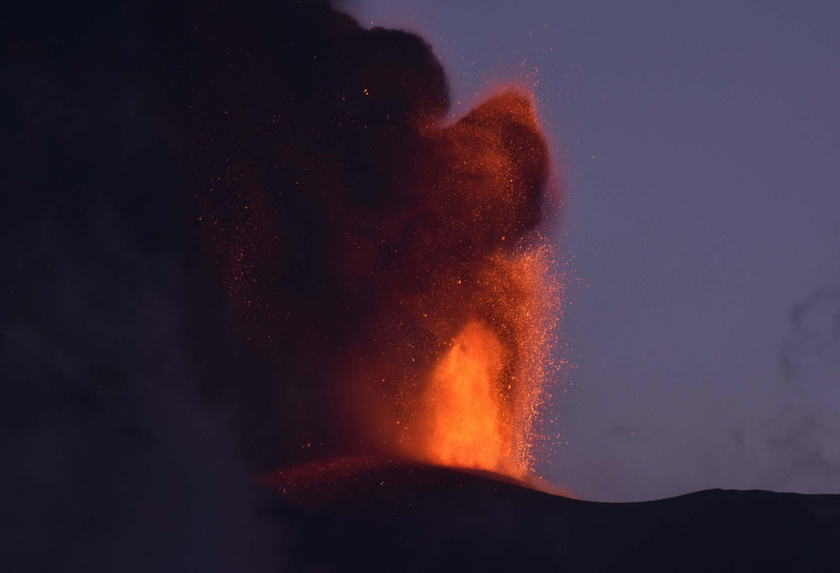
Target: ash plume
<point>223,224</point>
<point>353,229</point>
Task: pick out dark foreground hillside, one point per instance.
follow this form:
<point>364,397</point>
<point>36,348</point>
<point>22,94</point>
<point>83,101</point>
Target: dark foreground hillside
<point>351,516</point>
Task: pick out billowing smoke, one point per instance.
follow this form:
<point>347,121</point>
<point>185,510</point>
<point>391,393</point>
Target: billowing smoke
<point>236,235</point>
<point>355,232</point>
<point>110,459</point>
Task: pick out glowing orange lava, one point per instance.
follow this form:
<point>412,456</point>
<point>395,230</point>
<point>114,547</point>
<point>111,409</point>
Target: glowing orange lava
<point>479,400</point>
<point>469,419</point>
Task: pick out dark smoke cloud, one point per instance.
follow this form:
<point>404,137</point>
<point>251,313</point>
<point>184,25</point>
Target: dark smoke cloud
<point>354,232</point>
<point>111,462</point>
<point>151,361</point>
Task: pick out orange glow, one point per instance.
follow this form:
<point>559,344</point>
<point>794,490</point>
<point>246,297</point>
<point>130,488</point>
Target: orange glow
<point>469,420</point>
<point>410,320</point>
<point>478,402</point>
<point>453,366</point>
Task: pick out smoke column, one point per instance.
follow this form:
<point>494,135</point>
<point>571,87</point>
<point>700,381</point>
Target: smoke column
<point>382,262</point>
<point>236,237</point>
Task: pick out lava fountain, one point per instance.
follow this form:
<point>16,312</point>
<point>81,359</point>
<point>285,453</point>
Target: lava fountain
<point>469,421</point>
<point>476,406</point>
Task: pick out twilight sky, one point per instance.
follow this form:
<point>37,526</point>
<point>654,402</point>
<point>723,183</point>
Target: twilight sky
<point>701,235</point>
<point>700,148</point>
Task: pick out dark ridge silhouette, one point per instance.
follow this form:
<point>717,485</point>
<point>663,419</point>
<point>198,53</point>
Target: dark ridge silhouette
<point>380,516</point>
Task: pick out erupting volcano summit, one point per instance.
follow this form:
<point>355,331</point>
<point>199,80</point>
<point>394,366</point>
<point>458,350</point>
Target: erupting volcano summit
<point>385,262</point>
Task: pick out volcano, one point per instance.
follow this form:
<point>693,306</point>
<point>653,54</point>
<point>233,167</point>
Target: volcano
<point>241,236</point>
<point>365,514</point>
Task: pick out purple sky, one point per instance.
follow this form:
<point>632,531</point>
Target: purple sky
<point>700,144</point>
